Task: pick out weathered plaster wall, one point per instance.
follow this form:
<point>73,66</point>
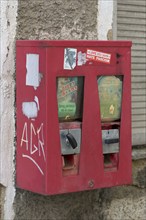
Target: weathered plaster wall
<point>57,19</point>
<point>8,15</point>
<point>2,195</point>
<point>105,23</point>
<point>75,206</point>
<point>123,203</point>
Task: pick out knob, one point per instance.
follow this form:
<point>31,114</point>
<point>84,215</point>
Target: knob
<point>71,140</point>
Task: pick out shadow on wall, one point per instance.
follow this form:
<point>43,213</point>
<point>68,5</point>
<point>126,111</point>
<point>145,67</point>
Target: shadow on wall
<point>73,206</point>
<point>116,203</point>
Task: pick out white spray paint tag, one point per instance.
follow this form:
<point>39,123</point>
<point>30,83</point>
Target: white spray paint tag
<point>32,65</point>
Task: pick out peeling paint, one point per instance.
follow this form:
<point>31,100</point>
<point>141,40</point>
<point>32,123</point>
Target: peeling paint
<point>30,109</point>
<point>110,34</point>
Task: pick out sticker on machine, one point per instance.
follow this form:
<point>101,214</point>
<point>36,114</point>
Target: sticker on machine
<point>70,57</point>
<point>98,56</point>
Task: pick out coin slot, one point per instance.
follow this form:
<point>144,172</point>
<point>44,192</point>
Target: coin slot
<point>70,164</point>
<point>110,161</point>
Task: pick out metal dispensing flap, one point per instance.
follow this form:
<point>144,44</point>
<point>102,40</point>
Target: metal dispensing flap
<point>70,141</point>
<point>110,141</point>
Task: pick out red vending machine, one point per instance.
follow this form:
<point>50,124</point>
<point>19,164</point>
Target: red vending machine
<point>73,115</point>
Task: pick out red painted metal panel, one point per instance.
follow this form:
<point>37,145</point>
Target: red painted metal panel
<point>72,43</point>
<point>31,134</point>
<point>39,165</point>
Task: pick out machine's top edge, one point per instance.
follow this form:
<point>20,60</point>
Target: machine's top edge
<point>72,43</point>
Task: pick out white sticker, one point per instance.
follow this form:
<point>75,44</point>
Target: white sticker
<point>81,58</point>
<point>33,77</point>
<point>70,56</point>
<point>98,56</point>
<point>30,109</point>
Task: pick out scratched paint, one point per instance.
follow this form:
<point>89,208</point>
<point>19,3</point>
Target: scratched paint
<point>33,77</point>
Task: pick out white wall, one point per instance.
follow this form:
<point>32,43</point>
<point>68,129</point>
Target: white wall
<point>106,19</point>
<point>8,16</point>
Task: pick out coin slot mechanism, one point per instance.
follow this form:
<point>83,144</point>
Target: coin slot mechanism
<point>111,161</point>
<point>70,141</point>
<point>70,164</point>
<point>111,145</point>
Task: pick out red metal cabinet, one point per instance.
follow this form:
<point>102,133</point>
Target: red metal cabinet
<point>58,156</point>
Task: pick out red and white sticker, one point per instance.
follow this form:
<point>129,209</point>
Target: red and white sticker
<point>98,56</point>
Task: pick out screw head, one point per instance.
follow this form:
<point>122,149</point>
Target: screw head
<point>91,183</point>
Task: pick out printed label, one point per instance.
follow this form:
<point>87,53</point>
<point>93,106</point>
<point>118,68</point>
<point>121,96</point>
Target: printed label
<point>81,58</point>
<point>98,56</point>
<point>70,56</point>
<point>32,65</point>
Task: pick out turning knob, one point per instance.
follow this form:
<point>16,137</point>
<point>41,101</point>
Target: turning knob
<point>71,140</point>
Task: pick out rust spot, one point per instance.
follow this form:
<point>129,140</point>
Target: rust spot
<point>110,34</point>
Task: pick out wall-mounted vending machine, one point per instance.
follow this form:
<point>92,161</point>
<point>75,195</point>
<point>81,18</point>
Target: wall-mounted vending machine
<point>73,115</point>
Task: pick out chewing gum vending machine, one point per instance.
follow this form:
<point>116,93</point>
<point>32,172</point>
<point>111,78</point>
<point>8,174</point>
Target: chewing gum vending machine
<point>73,115</point>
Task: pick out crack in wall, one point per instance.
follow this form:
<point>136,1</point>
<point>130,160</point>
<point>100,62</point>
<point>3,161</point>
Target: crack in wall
<point>7,84</point>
